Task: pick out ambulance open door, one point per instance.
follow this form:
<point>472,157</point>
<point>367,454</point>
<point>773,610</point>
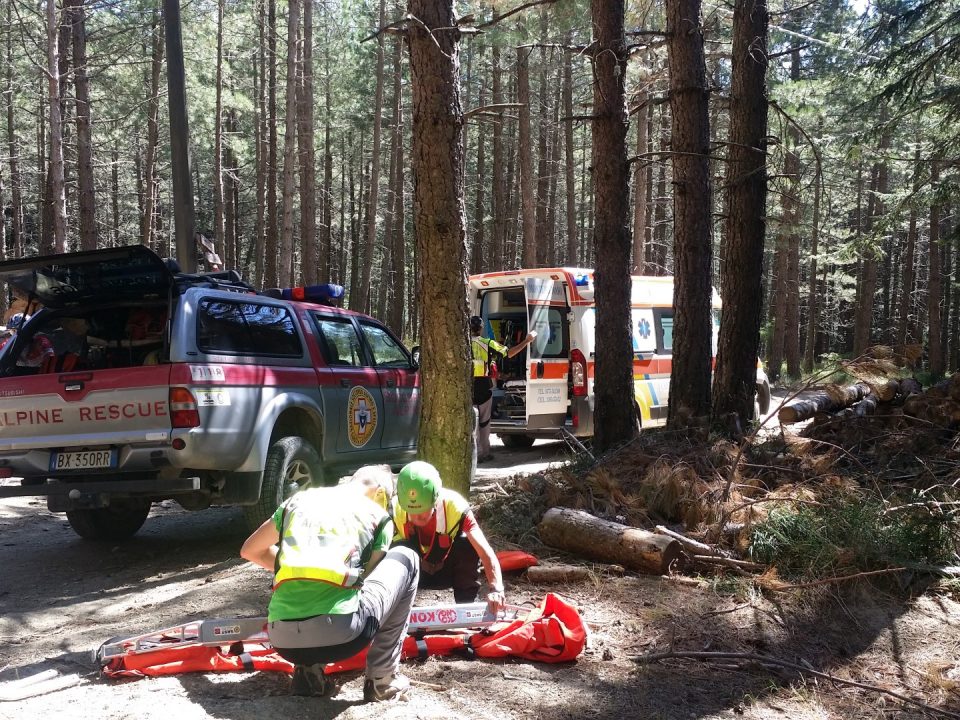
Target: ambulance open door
<point>548,356</point>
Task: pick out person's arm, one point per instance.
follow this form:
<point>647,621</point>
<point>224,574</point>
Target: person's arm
<point>491,568</point>
<point>522,344</point>
<point>261,547</point>
<point>381,545</point>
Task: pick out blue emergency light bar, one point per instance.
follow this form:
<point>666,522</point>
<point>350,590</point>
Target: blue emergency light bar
<point>327,293</point>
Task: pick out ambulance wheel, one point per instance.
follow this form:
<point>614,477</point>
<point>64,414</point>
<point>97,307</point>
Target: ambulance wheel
<point>292,464</point>
<point>517,442</point>
<point>118,521</point>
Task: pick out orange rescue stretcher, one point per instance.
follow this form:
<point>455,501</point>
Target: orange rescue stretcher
<point>552,632</point>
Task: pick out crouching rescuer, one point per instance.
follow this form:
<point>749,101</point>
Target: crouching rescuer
<point>338,586</point>
<point>439,525</point>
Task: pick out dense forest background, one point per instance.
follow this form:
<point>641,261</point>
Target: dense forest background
<point>299,116</point>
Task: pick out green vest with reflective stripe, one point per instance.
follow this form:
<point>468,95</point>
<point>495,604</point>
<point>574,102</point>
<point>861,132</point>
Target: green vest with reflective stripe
<point>481,348</point>
<point>326,535</point>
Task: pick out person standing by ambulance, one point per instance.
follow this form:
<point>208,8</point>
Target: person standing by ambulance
<point>482,349</point>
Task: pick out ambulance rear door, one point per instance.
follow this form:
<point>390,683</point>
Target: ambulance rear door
<point>548,356</point>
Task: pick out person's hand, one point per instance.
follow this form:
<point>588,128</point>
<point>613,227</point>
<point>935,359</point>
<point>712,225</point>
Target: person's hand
<point>495,601</point>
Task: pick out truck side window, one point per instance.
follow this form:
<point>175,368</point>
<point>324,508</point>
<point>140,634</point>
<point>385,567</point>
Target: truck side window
<point>340,343</point>
<point>387,352</point>
<point>246,329</point>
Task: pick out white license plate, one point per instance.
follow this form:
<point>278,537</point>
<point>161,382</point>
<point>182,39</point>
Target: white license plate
<point>82,460</point>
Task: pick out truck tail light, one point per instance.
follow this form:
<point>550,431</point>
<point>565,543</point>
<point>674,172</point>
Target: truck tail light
<point>183,409</point>
<point>578,373</point>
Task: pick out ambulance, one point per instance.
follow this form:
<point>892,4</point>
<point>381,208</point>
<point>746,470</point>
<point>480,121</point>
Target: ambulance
<point>548,390</point>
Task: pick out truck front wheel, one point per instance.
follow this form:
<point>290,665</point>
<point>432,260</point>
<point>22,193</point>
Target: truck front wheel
<point>118,521</point>
<point>292,464</point>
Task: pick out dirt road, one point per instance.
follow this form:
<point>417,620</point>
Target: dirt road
<point>61,597</point>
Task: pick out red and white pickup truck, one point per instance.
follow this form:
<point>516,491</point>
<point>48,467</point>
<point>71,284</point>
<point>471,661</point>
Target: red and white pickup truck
<point>136,383</point>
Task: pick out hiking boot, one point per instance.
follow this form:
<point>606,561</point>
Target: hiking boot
<point>311,681</point>
<point>391,687</point>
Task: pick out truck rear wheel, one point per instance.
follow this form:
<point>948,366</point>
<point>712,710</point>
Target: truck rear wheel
<point>517,442</point>
<point>118,521</point>
<point>292,464</point>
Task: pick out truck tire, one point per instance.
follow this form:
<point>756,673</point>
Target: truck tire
<point>118,521</point>
<point>517,442</point>
<point>292,464</point>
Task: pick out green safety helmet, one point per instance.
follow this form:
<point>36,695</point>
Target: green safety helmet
<point>418,487</point>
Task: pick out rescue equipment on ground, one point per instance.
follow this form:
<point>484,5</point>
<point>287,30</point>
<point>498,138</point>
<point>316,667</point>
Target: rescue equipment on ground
<point>515,560</point>
<point>553,632</point>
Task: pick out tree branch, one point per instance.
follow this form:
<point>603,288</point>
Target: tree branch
<point>520,8</point>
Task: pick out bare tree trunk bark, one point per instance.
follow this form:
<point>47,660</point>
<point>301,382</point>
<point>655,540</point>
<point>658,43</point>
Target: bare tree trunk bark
<point>446,421</point>
<point>741,284</point>
<point>153,135</point>
<point>219,223</point>
<point>397,279</point>
<point>270,270</point>
<point>262,152</point>
<point>57,199</point>
<point>498,209</point>
<point>479,251</point>
<point>615,417</point>
<point>638,265</point>
<point>528,197</point>
<point>85,184</point>
<point>570,182</point>
<point>908,262</point>
<point>325,245</point>
<point>231,236</point>
<point>692,248</point>
<point>16,221</point>
<point>286,276</point>
<point>813,297</point>
<point>308,158</point>
<point>934,284</point>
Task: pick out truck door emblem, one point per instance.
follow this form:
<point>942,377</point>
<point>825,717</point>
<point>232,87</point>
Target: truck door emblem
<point>361,417</point>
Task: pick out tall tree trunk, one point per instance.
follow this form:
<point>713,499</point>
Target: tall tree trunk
<point>498,210</point>
<point>741,283</point>
<point>638,265</point>
<point>57,199</point>
<point>660,221</point>
<point>528,197</point>
<point>543,152</point>
<point>325,244</point>
<point>219,222</point>
<point>813,307</point>
<point>262,152</point>
<point>908,261</point>
<point>115,194</point>
<point>16,220</point>
<point>308,159</point>
<point>231,211</point>
<point>84,113</point>
<point>479,251</point>
<point>397,281</point>
<point>446,419</point>
<point>615,418</point>
<point>692,247</point>
<point>270,270</point>
<point>286,266</point>
<point>153,133</point>
<point>361,294</point>
<point>863,324</point>
<point>569,176</point>
<point>934,283</point>
<point>792,215</point>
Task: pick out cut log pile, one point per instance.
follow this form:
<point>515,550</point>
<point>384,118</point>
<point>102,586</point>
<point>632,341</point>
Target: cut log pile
<point>939,405</point>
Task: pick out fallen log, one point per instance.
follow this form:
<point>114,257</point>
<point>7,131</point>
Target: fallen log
<point>888,391</point>
<point>545,574</point>
<point>694,546</point>
<point>822,401</point>
<point>867,406</point>
<point>910,386</point>
<point>583,534</point>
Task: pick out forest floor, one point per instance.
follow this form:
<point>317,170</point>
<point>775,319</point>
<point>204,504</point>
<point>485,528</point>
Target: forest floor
<point>61,597</point>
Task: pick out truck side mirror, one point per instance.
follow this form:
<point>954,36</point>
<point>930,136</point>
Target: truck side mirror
<point>415,357</point>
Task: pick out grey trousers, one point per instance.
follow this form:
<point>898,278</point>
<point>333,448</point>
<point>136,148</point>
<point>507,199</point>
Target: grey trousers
<point>387,595</point>
<point>483,427</point>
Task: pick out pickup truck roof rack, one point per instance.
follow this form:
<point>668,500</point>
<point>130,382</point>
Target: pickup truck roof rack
<point>229,280</point>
